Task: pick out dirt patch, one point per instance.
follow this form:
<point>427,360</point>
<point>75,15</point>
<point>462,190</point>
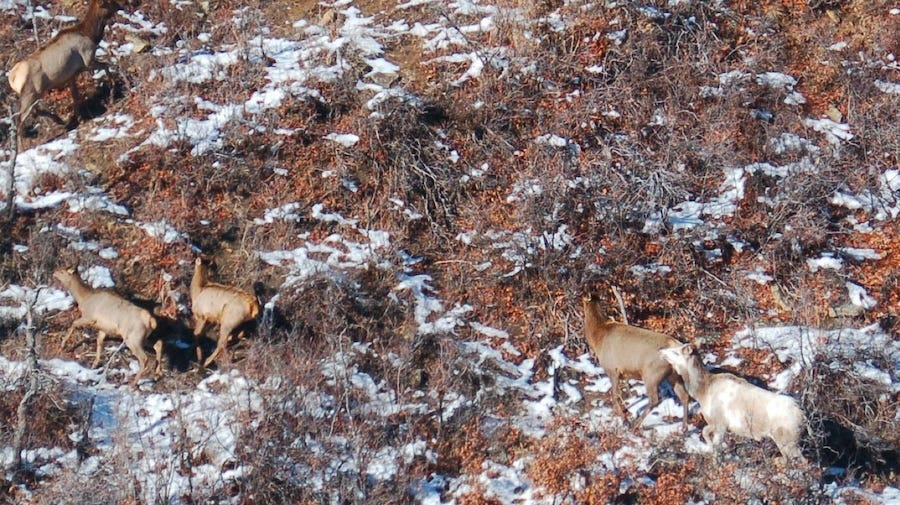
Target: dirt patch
<point>291,12</point>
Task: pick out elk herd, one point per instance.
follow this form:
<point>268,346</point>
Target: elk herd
<point>109,313</point>
<point>727,402</point>
<point>57,65</point>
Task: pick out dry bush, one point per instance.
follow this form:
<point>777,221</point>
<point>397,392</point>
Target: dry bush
<point>853,418</point>
<point>565,465</point>
<point>316,428</point>
<point>185,22</point>
<point>743,472</point>
<point>462,450</point>
<point>755,481</point>
<point>43,255</point>
<point>357,306</point>
<point>298,437</point>
<point>476,497</point>
<point>882,276</point>
<point>52,417</point>
<point>674,473</point>
<point>108,485</point>
<point>405,160</point>
<point>470,421</point>
<point>280,456</point>
<point>157,186</point>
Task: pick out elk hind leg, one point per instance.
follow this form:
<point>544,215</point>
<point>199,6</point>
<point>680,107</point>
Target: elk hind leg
<point>618,403</point>
<point>158,347</point>
<point>142,362</point>
<point>220,349</point>
<point>652,386</point>
<point>199,325</point>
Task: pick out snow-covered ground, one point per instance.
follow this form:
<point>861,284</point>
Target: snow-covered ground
<point>151,428</point>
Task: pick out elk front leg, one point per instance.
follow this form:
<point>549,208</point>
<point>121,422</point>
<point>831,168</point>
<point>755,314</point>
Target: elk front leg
<point>101,336</point>
<point>683,397</point>
<point>78,323</point>
<point>76,103</point>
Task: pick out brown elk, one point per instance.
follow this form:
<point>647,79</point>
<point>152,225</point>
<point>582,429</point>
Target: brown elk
<point>227,306</point>
<point>60,61</point>
<point>626,351</point>
<point>111,314</point>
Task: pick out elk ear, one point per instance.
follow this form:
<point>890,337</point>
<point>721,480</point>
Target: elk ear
<point>687,349</point>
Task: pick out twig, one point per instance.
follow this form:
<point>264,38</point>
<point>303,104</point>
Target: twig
<point>11,184</point>
<point>720,281</point>
<point>33,387</point>
<point>619,299</point>
<point>111,357</point>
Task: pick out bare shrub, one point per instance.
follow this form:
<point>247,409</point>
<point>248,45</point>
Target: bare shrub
<point>319,426</point>
<point>741,481</point>
<point>407,161</point>
<point>674,472</point>
<point>42,256</point>
<point>566,465</point>
<point>170,190</point>
<point>52,418</point>
<point>281,458</point>
<point>107,485</point>
<point>183,23</point>
<point>853,418</point>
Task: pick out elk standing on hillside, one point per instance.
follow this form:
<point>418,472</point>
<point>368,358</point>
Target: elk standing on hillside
<point>58,64</point>
<point>730,403</point>
<point>631,352</point>
<point>111,314</point>
<point>227,306</point>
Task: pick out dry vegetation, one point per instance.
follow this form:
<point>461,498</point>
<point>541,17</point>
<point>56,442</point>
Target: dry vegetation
<point>647,140</point>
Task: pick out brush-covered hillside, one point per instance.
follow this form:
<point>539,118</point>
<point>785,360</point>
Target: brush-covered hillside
<point>419,194</point>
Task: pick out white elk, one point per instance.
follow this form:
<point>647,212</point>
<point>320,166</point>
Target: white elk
<point>730,403</point>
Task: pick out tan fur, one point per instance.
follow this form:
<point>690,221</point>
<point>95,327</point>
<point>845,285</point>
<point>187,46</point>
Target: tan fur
<point>631,352</point>
<point>111,314</point>
<point>57,64</point>
<point>227,306</point>
<point>730,403</point>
